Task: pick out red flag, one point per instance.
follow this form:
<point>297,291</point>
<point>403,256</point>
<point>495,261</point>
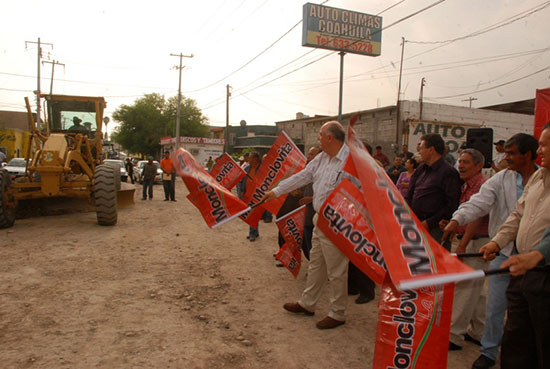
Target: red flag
<point>282,161</point>
<point>414,259</point>
<point>291,226</point>
<point>542,113</point>
<point>542,110</point>
<point>227,172</point>
<point>343,218</point>
<point>216,204</point>
<point>413,327</point>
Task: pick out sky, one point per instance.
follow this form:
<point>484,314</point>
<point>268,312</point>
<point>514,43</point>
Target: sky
<point>495,51</point>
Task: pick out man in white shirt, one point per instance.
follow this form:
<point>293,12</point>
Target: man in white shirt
<point>497,197</point>
<point>325,172</point>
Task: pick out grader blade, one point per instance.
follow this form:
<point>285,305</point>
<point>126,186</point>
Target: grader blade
<point>125,196</point>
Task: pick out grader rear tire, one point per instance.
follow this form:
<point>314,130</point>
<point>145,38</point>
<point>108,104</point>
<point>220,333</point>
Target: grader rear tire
<point>7,214</point>
<point>105,195</point>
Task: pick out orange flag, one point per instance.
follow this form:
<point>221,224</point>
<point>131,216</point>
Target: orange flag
<point>291,226</point>
<point>413,327</point>
<point>282,161</point>
<point>414,259</point>
<point>216,203</point>
<point>227,172</point>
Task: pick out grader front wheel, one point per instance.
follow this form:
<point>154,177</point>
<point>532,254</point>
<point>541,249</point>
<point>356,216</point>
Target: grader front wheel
<point>105,195</point>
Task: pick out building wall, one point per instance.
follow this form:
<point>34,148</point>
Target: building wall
<point>14,142</point>
<point>294,129</point>
<point>378,126</point>
<point>14,119</point>
<point>504,124</point>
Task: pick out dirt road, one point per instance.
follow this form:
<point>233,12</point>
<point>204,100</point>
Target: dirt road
<point>161,290</point>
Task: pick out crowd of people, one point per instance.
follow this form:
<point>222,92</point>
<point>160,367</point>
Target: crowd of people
<point>502,217</point>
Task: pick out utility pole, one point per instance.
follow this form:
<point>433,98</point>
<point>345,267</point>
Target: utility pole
<point>181,56</point>
<point>470,99</point>
<point>421,96</point>
<point>38,75</point>
<point>397,109</point>
<point>341,89</point>
<point>228,94</point>
<point>53,63</point>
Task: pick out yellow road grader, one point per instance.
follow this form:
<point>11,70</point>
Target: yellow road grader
<point>64,159</point>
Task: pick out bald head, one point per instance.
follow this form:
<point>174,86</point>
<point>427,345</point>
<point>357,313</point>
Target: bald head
<point>331,137</point>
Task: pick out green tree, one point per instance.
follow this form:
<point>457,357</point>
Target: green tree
<point>152,117</point>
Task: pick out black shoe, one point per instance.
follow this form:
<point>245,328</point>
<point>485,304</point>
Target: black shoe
<point>483,362</point>
<point>454,347</point>
<point>144,198</point>
<point>352,291</point>
<point>362,299</point>
<point>173,200</point>
<point>165,199</point>
<point>471,339</point>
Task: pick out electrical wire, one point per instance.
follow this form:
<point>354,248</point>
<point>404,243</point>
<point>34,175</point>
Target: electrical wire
<point>334,52</point>
<point>492,88</point>
<point>493,27</point>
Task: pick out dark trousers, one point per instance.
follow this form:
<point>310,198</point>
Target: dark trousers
<point>359,282</point>
<point>169,188</point>
<point>147,188</point>
<point>437,234</point>
<point>306,245</point>
<point>526,339</point>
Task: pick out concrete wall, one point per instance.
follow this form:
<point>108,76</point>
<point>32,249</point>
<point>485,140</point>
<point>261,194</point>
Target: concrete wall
<point>378,126</point>
<point>294,129</point>
<point>504,124</point>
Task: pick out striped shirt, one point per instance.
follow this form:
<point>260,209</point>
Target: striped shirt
<point>324,172</point>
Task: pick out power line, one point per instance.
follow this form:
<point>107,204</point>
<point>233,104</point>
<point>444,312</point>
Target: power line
<point>492,88</point>
<point>334,52</point>
<point>330,53</point>
<point>497,25</point>
<point>256,57</point>
<point>247,63</point>
<point>87,82</point>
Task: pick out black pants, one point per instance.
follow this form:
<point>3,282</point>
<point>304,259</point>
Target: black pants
<point>308,235</point>
<point>358,281</point>
<point>526,339</point>
<point>169,190</point>
<point>437,234</point>
<point>148,188</point>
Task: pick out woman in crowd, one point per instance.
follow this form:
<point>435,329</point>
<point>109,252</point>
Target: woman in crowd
<point>405,177</point>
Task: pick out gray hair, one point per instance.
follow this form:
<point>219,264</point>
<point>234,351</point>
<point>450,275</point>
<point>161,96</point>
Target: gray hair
<point>336,130</point>
<point>476,155</point>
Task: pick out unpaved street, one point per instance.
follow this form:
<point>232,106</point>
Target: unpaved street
<point>161,290</point>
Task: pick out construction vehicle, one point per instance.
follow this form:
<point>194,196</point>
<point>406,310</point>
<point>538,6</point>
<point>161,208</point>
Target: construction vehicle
<point>64,159</point>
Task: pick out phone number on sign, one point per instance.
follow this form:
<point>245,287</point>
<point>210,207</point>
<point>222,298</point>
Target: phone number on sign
<point>342,43</point>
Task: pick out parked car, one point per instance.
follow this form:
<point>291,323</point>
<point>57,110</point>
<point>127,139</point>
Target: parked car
<point>120,164</point>
<point>138,170</point>
<point>15,167</point>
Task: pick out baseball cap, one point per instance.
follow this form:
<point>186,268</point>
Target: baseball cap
<point>500,142</point>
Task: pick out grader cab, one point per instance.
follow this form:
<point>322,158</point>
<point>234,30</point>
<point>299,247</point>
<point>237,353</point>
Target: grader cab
<point>64,159</point>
